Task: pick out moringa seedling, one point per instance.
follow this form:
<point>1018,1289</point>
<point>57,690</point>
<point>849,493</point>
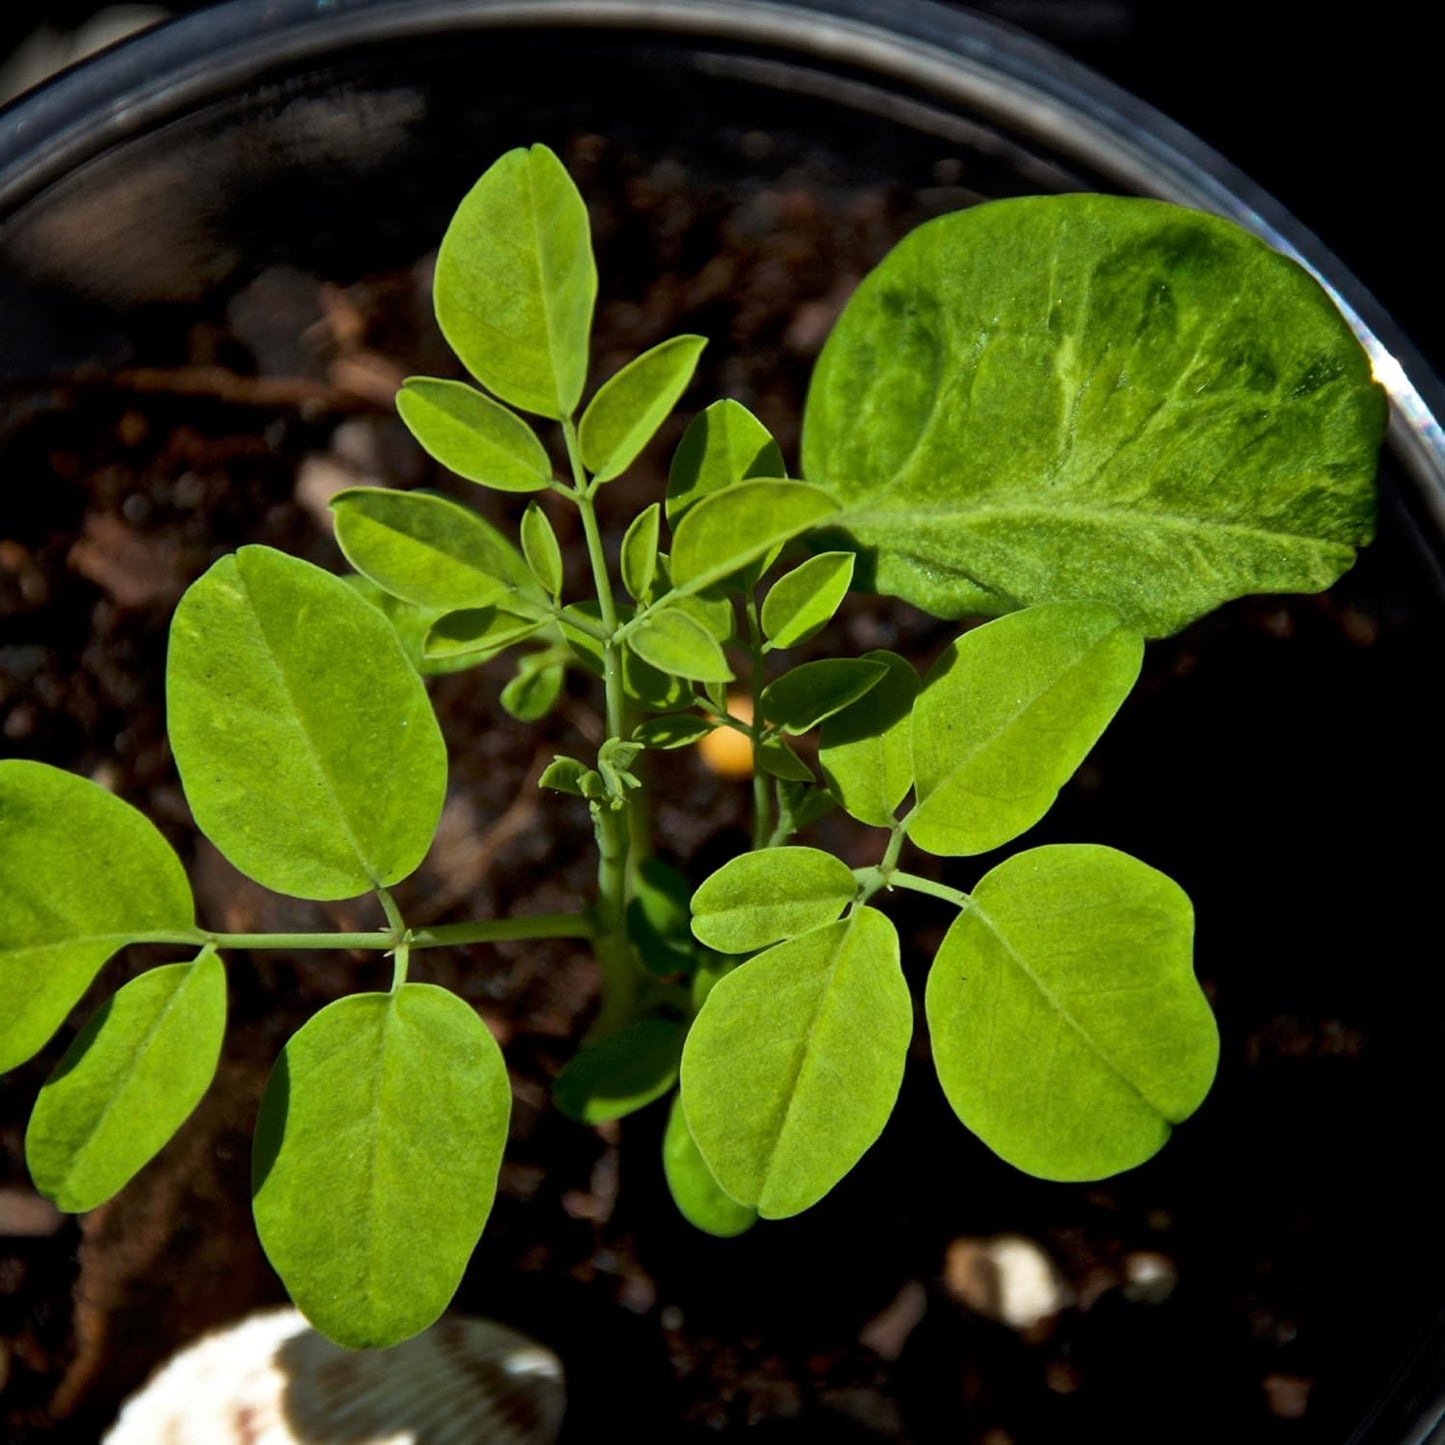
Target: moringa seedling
<point>1090,419</point>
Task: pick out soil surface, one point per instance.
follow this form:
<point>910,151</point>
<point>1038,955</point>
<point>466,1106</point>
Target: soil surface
<point>1258,1281</point>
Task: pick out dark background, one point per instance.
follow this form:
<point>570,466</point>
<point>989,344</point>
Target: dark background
<point>1337,117</point>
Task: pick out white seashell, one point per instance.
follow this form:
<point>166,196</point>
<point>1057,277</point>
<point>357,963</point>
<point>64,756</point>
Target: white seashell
<point>272,1380</point>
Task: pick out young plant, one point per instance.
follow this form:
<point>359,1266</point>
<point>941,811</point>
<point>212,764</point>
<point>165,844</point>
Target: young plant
<point>1093,419</point>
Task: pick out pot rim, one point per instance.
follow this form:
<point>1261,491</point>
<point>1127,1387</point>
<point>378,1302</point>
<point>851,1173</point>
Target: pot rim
<point>953,56</point>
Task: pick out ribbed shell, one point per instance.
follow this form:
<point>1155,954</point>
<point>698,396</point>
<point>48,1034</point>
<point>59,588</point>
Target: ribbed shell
<point>272,1380</point>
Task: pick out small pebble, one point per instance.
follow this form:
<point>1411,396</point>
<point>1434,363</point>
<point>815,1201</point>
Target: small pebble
<point>1008,1278</point>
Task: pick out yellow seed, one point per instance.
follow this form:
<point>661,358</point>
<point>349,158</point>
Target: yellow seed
<point>726,751</point>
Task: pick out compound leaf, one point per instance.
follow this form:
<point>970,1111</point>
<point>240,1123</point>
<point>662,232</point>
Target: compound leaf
<point>620,1074</point>
<point>771,894</point>
<point>127,1083</point>
<point>424,548</point>
<point>866,750</point>
<point>699,1197</point>
<point>472,435</point>
<point>812,691</point>
<point>724,444</point>
<point>630,406</point>
<point>1093,396</point>
<point>516,282</point>
<point>81,874</point>
<point>1068,1029</point>
<point>376,1156</point>
<point>793,1065</point>
<point>305,741</point>
<point>1008,713</point>
<point>801,602</point>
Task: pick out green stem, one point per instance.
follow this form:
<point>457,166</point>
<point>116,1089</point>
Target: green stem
<point>448,935</point>
<point>762,795</point>
<point>916,884</point>
<point>613,829</point>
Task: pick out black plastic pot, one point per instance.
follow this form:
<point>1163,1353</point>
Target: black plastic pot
<point>162,178</point>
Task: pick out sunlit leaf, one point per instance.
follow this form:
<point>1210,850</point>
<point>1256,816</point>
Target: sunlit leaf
<point>621,419</point>
<point>793,1066</point>
<point>1093,396</point>
<point>639,552</point>
<point>1068,1029</point>
<point>127,1083</point>
<point>472,435</point>
<point>1007,714</point>
<point>542,550</point>
<point>802,698</point>
<point>696,1193</point>
<point>680,647</point>
<point>81,874</point>
<point>305,741</point>
<point>866,750</point>
<point>377,1149</point>
<point>802,602</point>
<point>724,444</point>
<point>516,282</point>
<point>423,548</point>
<point>727,529</point>
<point>771,894</point>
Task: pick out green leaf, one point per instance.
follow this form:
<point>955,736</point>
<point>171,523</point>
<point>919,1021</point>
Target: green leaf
<point>698,1196</point>
<point>659,921</point>
<point>81,874</point>
<point>802,602</point>
<point>621,419</point>
<point>792,1068</point>
<point>727,529</point>
<point>1090,396</point>
<point>479,632</point>
<point>542,550</point>
<point>1005,716</point>
<point>639,552</point>
<point>534,691</point>
<point>678,646</point>
<point>777,759</point>
<point>713,612</point>
<point>411,623</point>
<point>423,548</point>
<point>645,684</point>
<point>672,730</point>
<point>722,445</point>
<point>620,1074</point>
<point>376,1157</point>
<point>1068,1029</point>
<point>564,775</point>
<point>774,893</point>
<point>473,436</point>
<point>127,1083</point>
<point>866,751</point>
<point>305,741</point>
<point>800,804</point>
<point>802,698</point>
<point>516,282</point>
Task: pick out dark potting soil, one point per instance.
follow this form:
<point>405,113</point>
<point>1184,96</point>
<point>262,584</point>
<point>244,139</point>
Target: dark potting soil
<point>1258,1281</point>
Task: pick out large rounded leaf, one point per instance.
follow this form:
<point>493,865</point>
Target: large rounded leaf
<point>127,1083</point>
<point>1067,1026</point>
<point>515,283</point>
<point>376,1158</point>
<point>305,741</point>
<point>1005,716</point>
<point>793,1065</point>
<point>762,897</point>
<point>81,874</point>
<point>1090,396</point>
